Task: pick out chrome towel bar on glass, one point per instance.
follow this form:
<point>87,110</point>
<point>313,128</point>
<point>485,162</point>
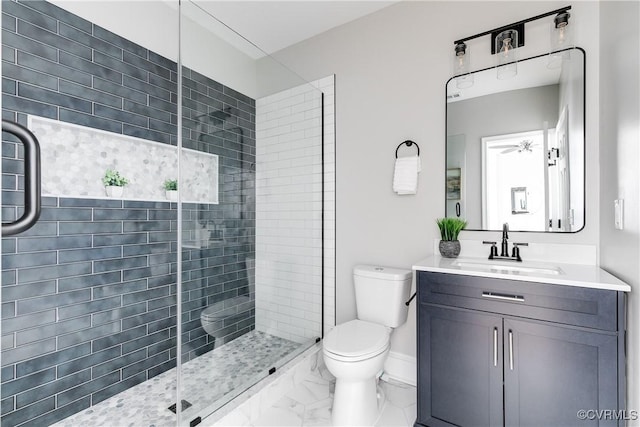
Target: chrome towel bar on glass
<point>31,179</point>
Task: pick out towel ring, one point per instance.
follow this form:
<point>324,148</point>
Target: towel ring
<point>408,143</point>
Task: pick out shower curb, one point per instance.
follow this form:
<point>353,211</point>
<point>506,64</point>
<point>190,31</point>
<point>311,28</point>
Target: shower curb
<point>269,390</point>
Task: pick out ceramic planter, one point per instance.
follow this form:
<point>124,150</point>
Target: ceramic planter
<point>172,195</point>
<point>449,248</point>
<point>114,191</point>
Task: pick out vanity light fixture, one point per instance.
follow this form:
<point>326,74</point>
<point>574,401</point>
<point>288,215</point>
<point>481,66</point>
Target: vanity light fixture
<point>506,54</point>
<point>561,39</point>
<point>505,41</point>
<point>461,66</point>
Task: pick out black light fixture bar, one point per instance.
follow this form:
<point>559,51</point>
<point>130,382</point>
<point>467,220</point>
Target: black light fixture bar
<point>518,27</point>
<point>515,24</point>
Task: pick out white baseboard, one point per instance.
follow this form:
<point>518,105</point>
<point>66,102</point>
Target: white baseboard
<point>401,367</point>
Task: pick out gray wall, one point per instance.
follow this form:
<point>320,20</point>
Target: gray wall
<point>619,160</point>
<point>498,114</point>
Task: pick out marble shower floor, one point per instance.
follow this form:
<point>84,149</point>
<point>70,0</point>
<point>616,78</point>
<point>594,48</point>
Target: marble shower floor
<point>205,379</point>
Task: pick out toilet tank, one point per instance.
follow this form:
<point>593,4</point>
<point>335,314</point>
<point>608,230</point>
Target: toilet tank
<point>381,293</point>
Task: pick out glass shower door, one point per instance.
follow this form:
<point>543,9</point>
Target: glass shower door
<point>89,292</point>
<point>106,294</point>
<point>251,235</point>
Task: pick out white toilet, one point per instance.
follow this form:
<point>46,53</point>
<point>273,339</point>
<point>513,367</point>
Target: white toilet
<point>213,317</point>
<point>355,351</point>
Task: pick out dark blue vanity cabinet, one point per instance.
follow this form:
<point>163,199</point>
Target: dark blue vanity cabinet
<point>497,352</point>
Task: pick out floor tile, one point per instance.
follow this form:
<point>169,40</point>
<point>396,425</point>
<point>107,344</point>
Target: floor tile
<point>314,396</point>
<point>400,394</point>
<point>235,419</point>
<point>411,413</point>
<point>279,417</point>
<point>288,404</point>
<point>318,413</point>
<point>391,416</point>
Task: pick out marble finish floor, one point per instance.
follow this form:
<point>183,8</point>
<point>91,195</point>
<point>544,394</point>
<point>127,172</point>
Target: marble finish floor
<point>207,378</point>
<point>309,404</point>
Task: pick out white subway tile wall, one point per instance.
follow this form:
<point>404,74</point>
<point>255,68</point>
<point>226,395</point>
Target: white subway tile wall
<point>289,193</point>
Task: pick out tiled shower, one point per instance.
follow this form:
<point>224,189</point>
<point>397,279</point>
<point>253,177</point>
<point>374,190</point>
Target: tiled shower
<point>94,296</point>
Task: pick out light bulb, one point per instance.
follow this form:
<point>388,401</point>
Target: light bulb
<point>461,67</point>
<point>561,33</point>
<point>506,54</point>
<point>561,39</point>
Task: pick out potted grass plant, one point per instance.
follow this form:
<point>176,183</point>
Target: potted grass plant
<point>171,189</point>
<point>450,228</point>
<point>114,183</point>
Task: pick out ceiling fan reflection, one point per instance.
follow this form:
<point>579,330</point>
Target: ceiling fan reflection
<point>525,145</point>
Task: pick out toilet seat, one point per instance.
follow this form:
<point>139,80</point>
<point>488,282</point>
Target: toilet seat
<point>356,340</point>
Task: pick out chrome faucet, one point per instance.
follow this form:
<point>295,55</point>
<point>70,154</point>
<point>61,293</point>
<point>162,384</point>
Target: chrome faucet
<point>504,253</point>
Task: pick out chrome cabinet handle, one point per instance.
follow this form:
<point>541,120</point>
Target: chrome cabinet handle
<point>510,349</point>
<point>503,297</point>
<point>32,196</point>
<point>495,346</point>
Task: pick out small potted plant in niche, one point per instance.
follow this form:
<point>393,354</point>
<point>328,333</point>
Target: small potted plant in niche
<point>114,183</point>
<point>449,230</point>
<point>171,189</point>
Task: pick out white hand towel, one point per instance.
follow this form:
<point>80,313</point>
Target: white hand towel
<point>405,175</point>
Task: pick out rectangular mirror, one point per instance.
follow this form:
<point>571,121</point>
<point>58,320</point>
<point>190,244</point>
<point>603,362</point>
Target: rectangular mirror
<point>517,146</point>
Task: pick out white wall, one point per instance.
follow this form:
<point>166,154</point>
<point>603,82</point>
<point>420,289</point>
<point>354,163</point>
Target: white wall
<point>391,69</point>
<point>619,160</point>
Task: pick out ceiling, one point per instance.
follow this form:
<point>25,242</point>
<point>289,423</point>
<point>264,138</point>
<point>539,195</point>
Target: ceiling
<point>274,25</point>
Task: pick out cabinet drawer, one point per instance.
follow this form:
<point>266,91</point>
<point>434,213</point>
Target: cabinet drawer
<point>592,308</point>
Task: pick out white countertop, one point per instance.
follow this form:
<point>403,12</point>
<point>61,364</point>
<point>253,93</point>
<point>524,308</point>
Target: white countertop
<point>586,276</point>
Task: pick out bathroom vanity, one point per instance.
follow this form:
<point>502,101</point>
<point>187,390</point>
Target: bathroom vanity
<point>518,344</point>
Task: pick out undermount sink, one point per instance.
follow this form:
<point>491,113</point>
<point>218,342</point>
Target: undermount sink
<point>498,267</point>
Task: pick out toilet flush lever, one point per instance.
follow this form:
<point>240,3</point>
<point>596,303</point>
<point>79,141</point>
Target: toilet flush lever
<point>410,299</point>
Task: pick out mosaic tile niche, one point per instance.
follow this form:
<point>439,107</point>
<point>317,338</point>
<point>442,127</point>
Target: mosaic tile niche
<point>75,158</point>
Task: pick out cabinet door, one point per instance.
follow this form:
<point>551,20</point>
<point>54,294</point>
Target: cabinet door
<point>552,372</point>
<point>459,368</point>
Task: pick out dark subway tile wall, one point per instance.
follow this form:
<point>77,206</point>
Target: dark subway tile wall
<point>221,121</point>
<point>89,293</point>
<point>77,325</point>
<point>69,69</point>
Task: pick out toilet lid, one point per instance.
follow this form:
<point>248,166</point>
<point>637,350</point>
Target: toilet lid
<point>357,338</point>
